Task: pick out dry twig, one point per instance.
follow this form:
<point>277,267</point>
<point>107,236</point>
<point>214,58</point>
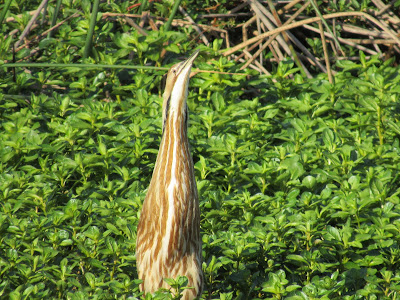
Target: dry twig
<point>30,23</point>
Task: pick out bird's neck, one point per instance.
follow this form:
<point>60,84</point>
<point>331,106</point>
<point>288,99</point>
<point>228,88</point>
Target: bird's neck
<point>174,202</point>
<point>175,129</point>
<point>174,155</point>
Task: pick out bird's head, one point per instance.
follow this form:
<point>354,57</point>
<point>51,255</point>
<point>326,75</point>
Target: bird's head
<point>176,89</point>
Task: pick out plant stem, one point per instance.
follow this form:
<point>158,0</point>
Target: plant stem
<point>89,37</point>
<point>379,125</point>
<point>172,15</point>
<point>4,11</point>
<point>95,66</point>
<point>142,6</point>
<point>54,18</point>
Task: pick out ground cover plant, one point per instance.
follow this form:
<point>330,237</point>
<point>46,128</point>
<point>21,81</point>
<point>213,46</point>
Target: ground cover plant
<point>298,177</point>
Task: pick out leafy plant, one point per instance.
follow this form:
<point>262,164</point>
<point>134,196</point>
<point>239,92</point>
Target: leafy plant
<point>298,178</point>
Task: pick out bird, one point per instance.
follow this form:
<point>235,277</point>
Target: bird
<point>168,241</point>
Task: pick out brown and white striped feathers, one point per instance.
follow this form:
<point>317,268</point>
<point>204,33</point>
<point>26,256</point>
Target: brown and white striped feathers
<point>168,237</point>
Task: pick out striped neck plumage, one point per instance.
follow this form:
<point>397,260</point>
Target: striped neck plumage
<point>176,91</point>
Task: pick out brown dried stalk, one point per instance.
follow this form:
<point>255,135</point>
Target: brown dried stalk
<point>273,36</point>
<point>46,32</point>
<point>197,28</point>
<point>327,63</point>
<point>30,23</point>
<point>309,21</point>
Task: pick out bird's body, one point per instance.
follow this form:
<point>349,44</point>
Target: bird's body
<point>168,237</point>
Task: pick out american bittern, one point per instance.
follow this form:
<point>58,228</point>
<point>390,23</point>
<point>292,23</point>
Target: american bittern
<point>168,236</point>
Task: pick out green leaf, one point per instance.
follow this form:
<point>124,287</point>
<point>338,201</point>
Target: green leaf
<point>91,280</point>
<point>369,103</point>
<point>332,234</point>
<point>309,182</point>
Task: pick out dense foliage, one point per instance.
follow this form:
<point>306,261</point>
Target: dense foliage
<point>298,178</point>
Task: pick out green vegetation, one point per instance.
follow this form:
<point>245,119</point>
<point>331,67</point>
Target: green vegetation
<point>298,178</point>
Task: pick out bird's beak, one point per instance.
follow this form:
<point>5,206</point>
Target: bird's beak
<point>176,87</point>
<point>179,91</point>
<point>188,63</point>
